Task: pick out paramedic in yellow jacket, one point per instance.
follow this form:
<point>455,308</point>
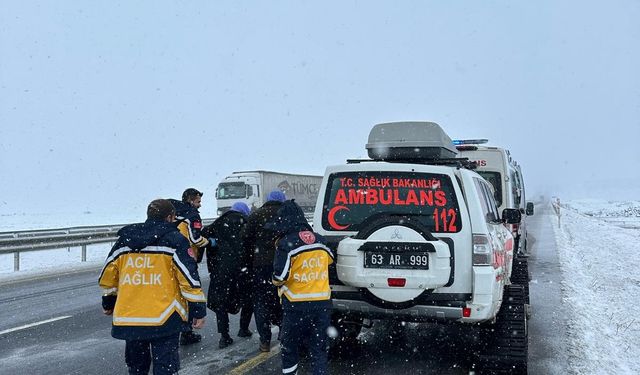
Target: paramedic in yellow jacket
<point>189,221</point>
<point>301,272</point>
<point>190,225</point>
<point>152,289</point>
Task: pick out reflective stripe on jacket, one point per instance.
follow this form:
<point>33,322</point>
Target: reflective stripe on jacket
<point>190,225</point>
<point>301,269</point>
<point>154,280</point>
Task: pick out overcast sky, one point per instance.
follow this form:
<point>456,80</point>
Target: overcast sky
<point>108,105</point>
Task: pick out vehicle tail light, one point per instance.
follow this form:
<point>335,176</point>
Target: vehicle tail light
<point>466,312</point>
<point>482,250</point>
<point>397,282</point>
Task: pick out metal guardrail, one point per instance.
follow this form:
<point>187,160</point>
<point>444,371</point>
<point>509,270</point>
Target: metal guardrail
<point>628,222</point>
<point>47,239</point>
<point>50,239</point>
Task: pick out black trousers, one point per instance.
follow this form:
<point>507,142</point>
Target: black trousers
<point>245,318</point>
<point>300,326</point>
<point>266,303</point>
<point>163,351</point>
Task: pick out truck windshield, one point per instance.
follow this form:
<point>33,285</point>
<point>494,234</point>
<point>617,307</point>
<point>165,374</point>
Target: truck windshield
<point>232,190</point>
<point>494,179</point>
<point>353,197</point>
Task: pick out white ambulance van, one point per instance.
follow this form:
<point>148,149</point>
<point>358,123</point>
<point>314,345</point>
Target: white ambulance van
<point>498,167</point>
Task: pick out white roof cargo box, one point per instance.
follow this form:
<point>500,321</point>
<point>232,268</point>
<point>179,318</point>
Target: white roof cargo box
<point>409,140</point>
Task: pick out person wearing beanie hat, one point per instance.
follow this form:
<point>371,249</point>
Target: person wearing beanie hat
<point>241,207</point>
<point>150,315</point>
<point>276,195</point>
<point>259,248</point>
<point>228,265</point>
<point>301,272</point>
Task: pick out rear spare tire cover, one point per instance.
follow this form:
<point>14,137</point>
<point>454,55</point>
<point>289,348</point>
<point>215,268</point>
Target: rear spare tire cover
<point>388,228</point>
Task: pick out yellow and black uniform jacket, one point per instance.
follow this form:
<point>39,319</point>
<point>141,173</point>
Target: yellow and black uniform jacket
<point>150,282</point>
<point>301,270</point>
<point>190,225</point>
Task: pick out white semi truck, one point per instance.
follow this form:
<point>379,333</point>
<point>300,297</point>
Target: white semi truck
<point>252,188</point>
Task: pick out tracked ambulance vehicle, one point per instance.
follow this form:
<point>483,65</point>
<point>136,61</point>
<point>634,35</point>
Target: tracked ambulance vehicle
<point>498,167</point>
<point>418,238</point>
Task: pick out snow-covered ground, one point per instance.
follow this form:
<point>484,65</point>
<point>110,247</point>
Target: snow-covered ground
<point>11,222</point>
<point>601,286</point>
<point>599,259</point>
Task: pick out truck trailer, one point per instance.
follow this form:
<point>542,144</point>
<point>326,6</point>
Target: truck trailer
<point>252,188</point>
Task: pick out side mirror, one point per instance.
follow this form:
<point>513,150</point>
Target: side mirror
<point>511,216</point>
<point>529,208</point>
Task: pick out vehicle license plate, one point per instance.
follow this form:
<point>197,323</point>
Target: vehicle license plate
<point>406,260</point>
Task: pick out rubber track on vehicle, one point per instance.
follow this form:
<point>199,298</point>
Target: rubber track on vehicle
<point>520,275</point>
<point>507,346</point>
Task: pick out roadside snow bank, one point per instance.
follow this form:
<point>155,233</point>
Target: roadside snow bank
<point>601,287</point>
<point>601,208</point>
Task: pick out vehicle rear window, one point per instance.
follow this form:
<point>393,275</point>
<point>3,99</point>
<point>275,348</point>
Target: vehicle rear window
<point>494,178</point>
<point>353,197</point>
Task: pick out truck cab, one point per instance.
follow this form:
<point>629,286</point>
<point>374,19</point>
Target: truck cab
<point>239,187</point>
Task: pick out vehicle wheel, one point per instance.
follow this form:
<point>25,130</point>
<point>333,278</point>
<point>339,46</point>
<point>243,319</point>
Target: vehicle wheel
<point>377,222</point>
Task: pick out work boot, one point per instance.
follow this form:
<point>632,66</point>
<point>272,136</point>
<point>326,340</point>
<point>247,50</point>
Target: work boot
<point>265,347</point>
<point>225,340</point>
<point>187,338</point>
<point>244,332</point>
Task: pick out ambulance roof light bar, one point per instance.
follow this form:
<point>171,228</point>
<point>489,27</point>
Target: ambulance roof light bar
<point>457,142</point>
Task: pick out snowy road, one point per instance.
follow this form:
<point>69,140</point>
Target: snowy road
<point>431,349</point>
<point>55,325</point>
<point>548,323</point>
<point>78,341</point>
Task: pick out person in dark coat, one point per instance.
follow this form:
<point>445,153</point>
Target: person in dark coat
<point>189,224</point>
<point>259,245</point>
<point>229,289</point>
<point>301,271</point>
